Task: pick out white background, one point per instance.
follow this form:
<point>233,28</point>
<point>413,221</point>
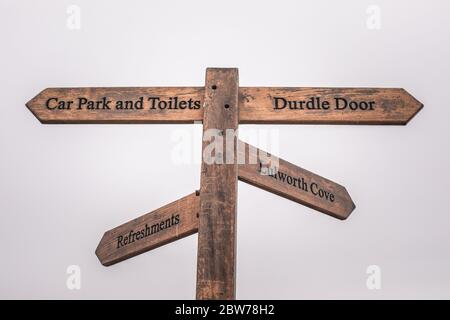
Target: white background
<point>62,186</point>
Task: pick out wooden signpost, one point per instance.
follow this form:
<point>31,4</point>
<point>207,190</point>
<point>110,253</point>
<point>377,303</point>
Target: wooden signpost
<point>222,105</point>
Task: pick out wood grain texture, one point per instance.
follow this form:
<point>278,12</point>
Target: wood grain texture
<point>256,105</point>
<point>390,107</point>
<point>295,183</point>
<point>174,221</point>
<point>189,207</point>
<point>174,112</point>
<point>216,261</point>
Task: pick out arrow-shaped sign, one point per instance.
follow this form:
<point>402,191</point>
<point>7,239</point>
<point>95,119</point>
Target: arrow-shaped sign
<point>294,183</point>
<point>327,106</point>
<point>221,105</point>
<point>179,219</point>
<point>174,221</point>
<point>118,105</point>
<point>256,105</point>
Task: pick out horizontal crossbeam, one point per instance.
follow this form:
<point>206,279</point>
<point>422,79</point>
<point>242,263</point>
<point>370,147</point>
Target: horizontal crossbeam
<point>257,105</point>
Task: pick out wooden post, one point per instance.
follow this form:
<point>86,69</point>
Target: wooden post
<point>216,262</point>
<point>212,211</point>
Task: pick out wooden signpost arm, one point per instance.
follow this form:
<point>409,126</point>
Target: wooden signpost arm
<point>295,183</point>
<point>269,105</point>
<point>127,105</point>
<point>216,262</point>
<point>222,105</point>
<point>356,106</point>
<point>171,222</point>
<point>179,219</point>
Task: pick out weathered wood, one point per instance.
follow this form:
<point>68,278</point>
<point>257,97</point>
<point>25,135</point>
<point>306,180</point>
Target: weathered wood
<point>118,105</point>
<point>187,208</point>
<point>216,262</point>
<point>174,221</point>
<point>382,106</point>
<point>221,105</point>
<point>292,182</point>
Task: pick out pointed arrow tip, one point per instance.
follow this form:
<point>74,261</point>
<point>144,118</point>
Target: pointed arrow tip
<point>416,106</point>
<point>29,105</point>
<point>352,208</point>
<point>349,208</point>
<point>32,105</point>
<point>99,253</point>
